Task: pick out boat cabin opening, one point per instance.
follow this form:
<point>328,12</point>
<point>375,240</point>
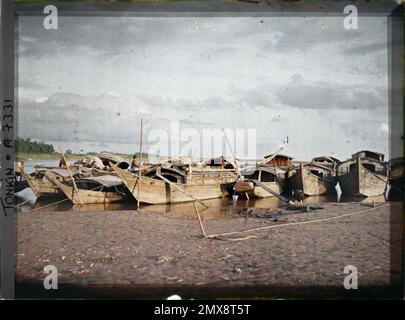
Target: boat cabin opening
<point>318,170</point>
<point>318,173</point>
<point>171,174</point>
<point>371,167</point>
<point>173,177</point>
<point>326,160</point>
<point>89,185</point>
<point>220,162</point>
<point>262,176</point>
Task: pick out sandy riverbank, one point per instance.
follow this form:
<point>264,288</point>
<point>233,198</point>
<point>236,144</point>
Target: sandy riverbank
<point>135,254</point>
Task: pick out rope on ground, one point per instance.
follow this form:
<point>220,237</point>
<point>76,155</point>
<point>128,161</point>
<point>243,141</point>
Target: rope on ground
<point>365,204</point>
<point>24,202</point>
<point>48,205</point>
<point>236,239</point>
<point>220,235</point>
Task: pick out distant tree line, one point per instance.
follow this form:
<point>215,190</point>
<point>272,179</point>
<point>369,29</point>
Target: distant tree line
<point>138,154</point>
<point>28,146</point>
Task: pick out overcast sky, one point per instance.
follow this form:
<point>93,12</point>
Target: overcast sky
<point>86,85</point>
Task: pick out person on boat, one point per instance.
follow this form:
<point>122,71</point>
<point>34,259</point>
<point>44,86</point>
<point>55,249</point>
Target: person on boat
<point>298,196</point>
<point>62,163</point>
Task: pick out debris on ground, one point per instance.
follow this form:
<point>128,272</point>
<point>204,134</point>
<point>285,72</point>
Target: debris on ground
<point>259,213</point>
<point>275,213</point>
<point>303,208</point>
<point>237,270</point>
<point>165,259</point>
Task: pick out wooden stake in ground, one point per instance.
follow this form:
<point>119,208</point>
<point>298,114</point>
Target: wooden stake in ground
<point>199,219</point>
<point>140,165</point>
<point>73,179</point>
<point>194,203</point>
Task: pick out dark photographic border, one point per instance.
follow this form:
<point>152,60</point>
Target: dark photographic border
<point>9,112</point>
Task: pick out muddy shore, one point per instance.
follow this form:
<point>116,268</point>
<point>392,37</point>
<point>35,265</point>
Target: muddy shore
<point>140,254</point>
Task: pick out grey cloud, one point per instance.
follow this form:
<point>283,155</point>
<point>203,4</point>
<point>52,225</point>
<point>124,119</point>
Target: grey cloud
<point>67,116</point>
<point>109,35</point>
<point>259,97</point>
<point>101,34</point>
<point>201,72</point>
<point>365,135</point>
<point>304,94</point>
<point>333,33</point>
<point>30,83</point>
<point>365,49</point>
<point>321,96</point>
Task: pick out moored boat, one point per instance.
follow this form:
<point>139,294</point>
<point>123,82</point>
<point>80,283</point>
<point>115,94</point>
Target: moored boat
<point>172,184</point>
<point>101,189</point>
<point>312,179</point>
<point>42,186</point>
<point>364,175</point>
<point>281,163</point>
<point>327,161</point>
<point>269,176</point>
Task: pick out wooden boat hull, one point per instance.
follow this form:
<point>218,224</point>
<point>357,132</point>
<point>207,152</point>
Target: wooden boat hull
<point>156,191</point>
<point>252,190</point>
<point>311,184</point>
<point>88,196</point>
<point>42,187</point>
<point>361,182</point>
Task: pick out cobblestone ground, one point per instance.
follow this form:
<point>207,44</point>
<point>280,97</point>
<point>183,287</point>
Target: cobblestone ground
<point>128,249</point>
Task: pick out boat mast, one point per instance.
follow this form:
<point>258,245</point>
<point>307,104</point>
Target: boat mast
<point>233,154</point>
<point>140,164</point>
<point>73,179</point>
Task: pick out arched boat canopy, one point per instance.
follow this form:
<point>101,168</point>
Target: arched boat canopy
<point>327,159</point>
<point>369,154</point>
<point>107,181</point>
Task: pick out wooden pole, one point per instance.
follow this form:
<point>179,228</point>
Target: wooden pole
<point>194,202</point>
<point>30,183</point>
<point>233,154</point>
<point>199,219</point>
<point>302,169</point>
<point>140,168</point>
<point>73,179</point>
